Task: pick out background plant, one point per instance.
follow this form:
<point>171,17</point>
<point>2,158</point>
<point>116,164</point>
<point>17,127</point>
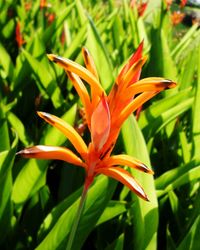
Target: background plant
<point>38,198</point>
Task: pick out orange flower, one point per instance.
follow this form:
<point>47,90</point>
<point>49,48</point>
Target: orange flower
<point>105,115</point>
<point>44,4</point>
<point>177,17</point>
<point>140,5</point>
<point>18,35</point>
<point>168,3</point>
<point>183,3</point>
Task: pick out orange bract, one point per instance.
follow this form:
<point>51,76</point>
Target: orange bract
<point>104,117</point>
<point>18,35</point>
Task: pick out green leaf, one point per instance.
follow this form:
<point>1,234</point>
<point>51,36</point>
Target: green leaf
<point>175,207</point>
<point>6,209</point>
<point>118,244</point>
<point>189,176</point>
<point>169,67</point>
<point>186,77</point>
<point>81,12</point>
<point>170,176</point>
<point>98,196</point>
<point>145,214</point>
<point>113,209</point>
<point>56,212</point>
<point>32,176</point>
<point>100,55</point>
<point>77,41</point>
<point>161,62</point>
<point>22,71</point>
<point>181,46</point>
<point>186,152</point>
<point>162,112</point>
<point>50,33</point>
<point>45,80</point>
<point>18,126</point>
<point>8,29</point>
<point>4,135</point>
<point>191,240</point>
<point>196,117</point>
<point>6,64</point>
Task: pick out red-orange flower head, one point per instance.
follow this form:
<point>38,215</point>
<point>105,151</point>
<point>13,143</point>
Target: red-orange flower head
<point>140,5</point>
<point>105,115</point>
<point>18,35</point>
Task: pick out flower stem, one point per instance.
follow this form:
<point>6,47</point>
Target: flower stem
<point>78,216</point>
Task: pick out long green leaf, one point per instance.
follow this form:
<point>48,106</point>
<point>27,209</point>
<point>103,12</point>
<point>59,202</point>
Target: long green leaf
<point>97,199</point>
<point>191,175</point>
<point>54,215</point>
<point>196,117</point>
<point>6,64</point>
<point>4,134</point>
<point>100,55</point>
<point>145,214</point>
<point>45,80</point>
<point>19,128</point>
<point>113,209</point>
<point>170,176</point>
<point>191,240</point>
<point>118,244</point>
<point>50,33</point>
<point>6,209</point>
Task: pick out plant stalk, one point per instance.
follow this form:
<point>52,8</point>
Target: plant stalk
<point>78,216</point>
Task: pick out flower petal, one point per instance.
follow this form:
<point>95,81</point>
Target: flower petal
<point>89,62</point>
<point>126,160</point>
<point>100,124</point>
<point>149,84</point>
<point>68,131</point>
<point>90,65</point>
<point>82,92</point>
<point>134,58</point>
<point>132,74</point>
<point>133,105</point>
<point>53,153</point>
<point>125,178</point>
<point>85,74</point>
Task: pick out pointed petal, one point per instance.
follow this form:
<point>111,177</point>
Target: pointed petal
<point>82,92</point>
<point>133,105</point>
<point>51,153</point>
<point>132,74</point>
<point>89,62</point>
<point>149,84</point>
<point>85,74</point>
<point>90,65</point>
<point>134,58</point>
<point>100,124</point>
<point>125,178</point>
<point>67,130</point>
<point>126,160</point>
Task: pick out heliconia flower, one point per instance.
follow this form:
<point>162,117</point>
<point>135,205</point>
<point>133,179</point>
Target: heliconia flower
<point>104,116</point>
<point>27,6</point>
<point>140,5</point>
<point>18,35</point>
<point>183,3</point>
<point>177,17</point>
<point>50,17</point>
<point>168,3</point>
<point>44,4</point>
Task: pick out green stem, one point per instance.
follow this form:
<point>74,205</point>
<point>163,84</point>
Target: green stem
<point>78,215</point>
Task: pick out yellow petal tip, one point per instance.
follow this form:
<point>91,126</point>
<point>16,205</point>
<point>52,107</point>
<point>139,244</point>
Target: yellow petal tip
<point>52,57</point>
